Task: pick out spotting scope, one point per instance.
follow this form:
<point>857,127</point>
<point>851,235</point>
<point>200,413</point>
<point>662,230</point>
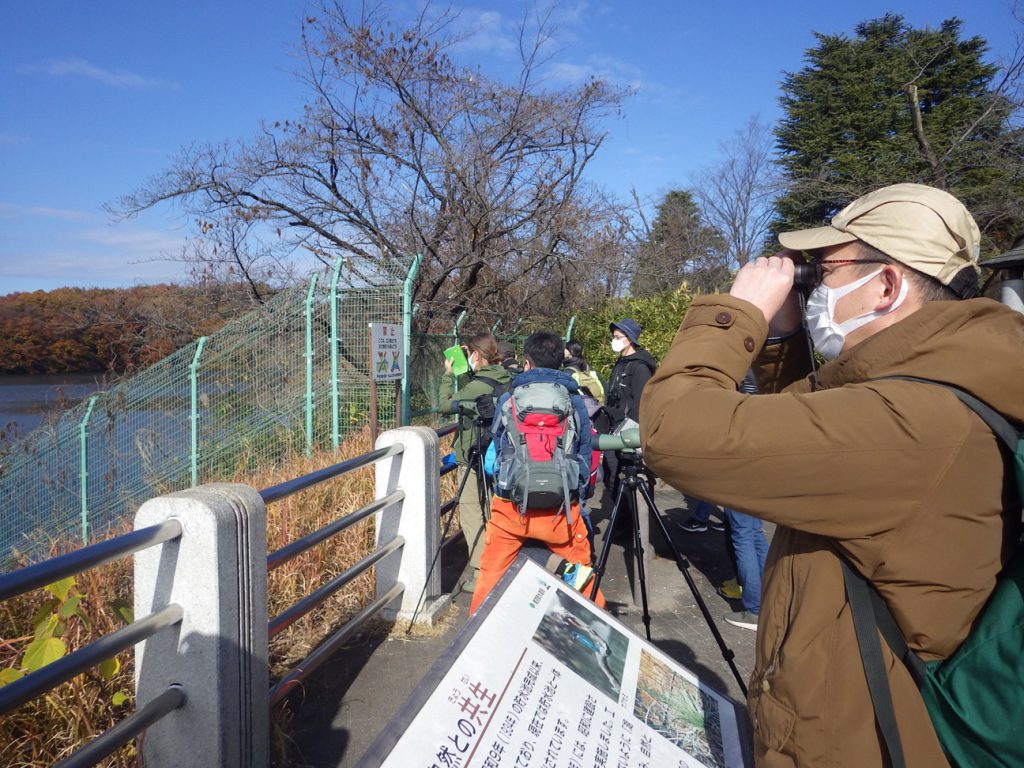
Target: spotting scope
<point>626,440</point>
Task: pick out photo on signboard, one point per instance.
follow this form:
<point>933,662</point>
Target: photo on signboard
<point>678,709</point>
<point>584,642</point>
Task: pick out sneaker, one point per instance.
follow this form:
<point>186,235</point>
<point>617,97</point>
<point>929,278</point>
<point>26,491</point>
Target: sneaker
<point>693,526</point>
<point>716,524</point>
<point>731,590</point>
<point>576,575</point>
<point>744,619</point>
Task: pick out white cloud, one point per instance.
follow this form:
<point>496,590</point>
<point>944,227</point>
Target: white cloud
<point>606,68</point>
<point>486,31</point>
<point>12,211</point>
<point>75,67</point>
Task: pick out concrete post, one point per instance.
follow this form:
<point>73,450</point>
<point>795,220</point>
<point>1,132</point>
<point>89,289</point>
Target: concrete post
<point>217,572</point>
<point>416,519</point>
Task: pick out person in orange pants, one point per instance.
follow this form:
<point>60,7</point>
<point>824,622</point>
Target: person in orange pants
<point>507,531</point>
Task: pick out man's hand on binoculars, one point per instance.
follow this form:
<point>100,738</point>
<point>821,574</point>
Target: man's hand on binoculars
<point>767,283</point>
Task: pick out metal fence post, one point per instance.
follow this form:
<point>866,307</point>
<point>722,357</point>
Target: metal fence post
<point>407,314</point>
<point>309,363</point>
<point>217,572</point>
<point>335,426</point>
<point>416,519</point>
<point>568,331</point>
<point>83,467</point>
<point>193,378</point>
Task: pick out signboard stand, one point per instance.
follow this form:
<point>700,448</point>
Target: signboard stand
<point>387,360</point>
<point>541,676</point>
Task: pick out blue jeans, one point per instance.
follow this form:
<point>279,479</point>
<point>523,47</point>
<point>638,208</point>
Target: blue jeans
<point>750,546</point>
<point>700,510</point>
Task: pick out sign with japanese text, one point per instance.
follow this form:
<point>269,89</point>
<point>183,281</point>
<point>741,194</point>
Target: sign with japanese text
<point>547,679</point>
<point>387,351</point>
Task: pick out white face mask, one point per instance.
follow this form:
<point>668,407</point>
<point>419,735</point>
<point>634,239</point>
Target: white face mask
<point>474,361</point>
<point>619,344</point>
<point>829,336</point>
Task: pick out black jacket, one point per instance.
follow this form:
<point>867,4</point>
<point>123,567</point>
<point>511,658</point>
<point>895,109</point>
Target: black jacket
<point>629,376</point>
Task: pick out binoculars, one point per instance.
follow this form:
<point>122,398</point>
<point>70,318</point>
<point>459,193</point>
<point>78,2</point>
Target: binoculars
<point>626,440</point>
<point>806,275</point>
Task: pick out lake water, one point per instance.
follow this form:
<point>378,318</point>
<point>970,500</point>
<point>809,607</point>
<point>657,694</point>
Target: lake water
<point>25,401</point>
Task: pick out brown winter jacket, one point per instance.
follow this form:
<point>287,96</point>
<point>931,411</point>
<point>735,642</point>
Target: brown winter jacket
<point>899,476</point>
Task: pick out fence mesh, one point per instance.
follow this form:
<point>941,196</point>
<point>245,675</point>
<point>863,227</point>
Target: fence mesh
<point>263,386</point>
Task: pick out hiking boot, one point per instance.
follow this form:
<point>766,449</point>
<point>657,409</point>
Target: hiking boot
<point>731,589</point>
<point>744,619</point>
<point>716,524</point>
<point>576,575</point>
<point>693,525</point>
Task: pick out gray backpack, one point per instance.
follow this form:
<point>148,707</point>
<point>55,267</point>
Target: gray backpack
<point>537,459</point>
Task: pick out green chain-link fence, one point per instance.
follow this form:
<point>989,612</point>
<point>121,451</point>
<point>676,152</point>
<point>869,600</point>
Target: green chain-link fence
<point>292,375</point>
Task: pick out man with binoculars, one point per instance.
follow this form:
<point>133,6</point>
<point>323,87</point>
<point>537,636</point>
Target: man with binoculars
<point>894,476</point>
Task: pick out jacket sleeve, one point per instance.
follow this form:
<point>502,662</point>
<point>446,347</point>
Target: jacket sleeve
<point>451,400</point>
<point>638,378</point>
<point>847,462</point>
<point>586,444</point>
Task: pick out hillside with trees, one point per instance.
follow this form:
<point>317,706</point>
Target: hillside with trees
<point>90,329</point>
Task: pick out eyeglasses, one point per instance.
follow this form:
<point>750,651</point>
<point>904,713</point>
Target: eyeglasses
<point>810,274</point>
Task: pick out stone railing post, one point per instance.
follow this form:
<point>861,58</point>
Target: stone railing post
<point>217,572</point>
<point>416,519</point>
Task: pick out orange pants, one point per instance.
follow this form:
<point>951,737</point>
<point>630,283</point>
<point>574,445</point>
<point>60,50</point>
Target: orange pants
<point>507,531</point>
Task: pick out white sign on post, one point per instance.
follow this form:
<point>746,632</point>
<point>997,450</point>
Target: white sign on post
<point>387,351</point>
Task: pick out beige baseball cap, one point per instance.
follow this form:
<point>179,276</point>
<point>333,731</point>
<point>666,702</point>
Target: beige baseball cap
<point>923,227</point>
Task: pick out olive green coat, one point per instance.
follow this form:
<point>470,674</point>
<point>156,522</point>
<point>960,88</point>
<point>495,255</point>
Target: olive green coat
<point>470,388</point>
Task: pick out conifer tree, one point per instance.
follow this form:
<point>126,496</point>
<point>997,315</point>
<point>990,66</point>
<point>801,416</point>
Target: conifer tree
<point>895,104</point>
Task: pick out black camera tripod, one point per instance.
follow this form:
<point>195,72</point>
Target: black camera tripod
<point>632,479</point>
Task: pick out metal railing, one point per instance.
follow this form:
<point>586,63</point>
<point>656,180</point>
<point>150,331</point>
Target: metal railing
<point>211,587</point>
<point>50,676</point>
<point>319,596</point>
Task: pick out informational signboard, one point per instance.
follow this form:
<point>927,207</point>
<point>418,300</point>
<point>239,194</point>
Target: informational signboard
<point>387,351</point>
<point>541,677</point>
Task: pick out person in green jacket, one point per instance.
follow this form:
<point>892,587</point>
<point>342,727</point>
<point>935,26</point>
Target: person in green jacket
<point>487,377</point>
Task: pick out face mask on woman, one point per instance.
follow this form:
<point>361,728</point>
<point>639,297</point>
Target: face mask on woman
<point>827,335</point>
<point>618,344</point>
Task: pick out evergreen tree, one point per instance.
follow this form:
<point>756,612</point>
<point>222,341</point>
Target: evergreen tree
<point>679,247</point>
<point>896,104</point>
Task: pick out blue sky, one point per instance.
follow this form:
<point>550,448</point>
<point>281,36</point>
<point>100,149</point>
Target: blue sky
<point>97,97</point>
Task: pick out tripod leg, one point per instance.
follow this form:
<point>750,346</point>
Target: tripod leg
<point>607,543</point>
<point>437,552</point>
<point>638,554</point>
<point>684,567</point>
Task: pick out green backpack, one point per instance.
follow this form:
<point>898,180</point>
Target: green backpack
<point>976,696</point>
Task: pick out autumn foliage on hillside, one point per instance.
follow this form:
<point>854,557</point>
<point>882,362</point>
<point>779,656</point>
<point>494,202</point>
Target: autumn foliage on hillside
<point>119,329</point>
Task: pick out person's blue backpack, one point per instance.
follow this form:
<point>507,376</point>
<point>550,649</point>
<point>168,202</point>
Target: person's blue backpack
<point>975,698</point>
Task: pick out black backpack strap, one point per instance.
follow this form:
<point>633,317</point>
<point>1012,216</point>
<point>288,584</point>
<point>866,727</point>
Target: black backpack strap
<point>872,616</point>
<point>858,593</point>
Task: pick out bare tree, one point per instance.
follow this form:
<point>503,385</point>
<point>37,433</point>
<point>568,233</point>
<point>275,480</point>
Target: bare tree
<point>402,150</point>
<point>737,195</point>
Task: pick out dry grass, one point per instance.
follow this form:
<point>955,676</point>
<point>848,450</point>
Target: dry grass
<point>46,730</point>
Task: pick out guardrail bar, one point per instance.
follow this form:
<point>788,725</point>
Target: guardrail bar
<point>46,678</point>
<point>288,487</point>
<point>297,547</point>
<point>324,651</point>
<point>110,741</point>
<point>318,596</point>
<point>57,568</point>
